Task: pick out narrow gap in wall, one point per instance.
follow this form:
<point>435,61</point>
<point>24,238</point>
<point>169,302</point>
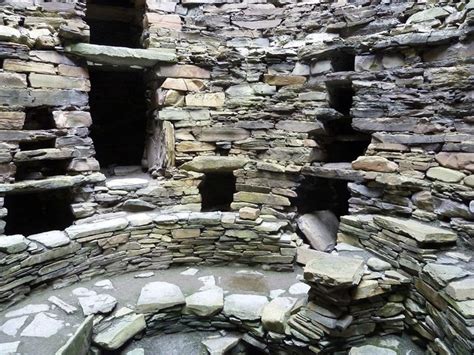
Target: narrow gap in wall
<point>36,212</point>
<point>340,96</point>
<point>40,169</point>
<point>38,118</point>
<point>118,107</point>
<point>114,23</point>
<point>318,194</point>
<point>217,192</point>
<point>343,61</point>
<point>38,144</point>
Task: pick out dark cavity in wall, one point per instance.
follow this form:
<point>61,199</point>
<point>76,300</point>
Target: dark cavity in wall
<point>39,118</point>
<point>343,61</point>
<point>118,108</point>
<point>217,192</point>
<point>31,213</point>
<point>40,169</point>
<point>114,23</point>
<point>318,194</point>
<point>38,144</point>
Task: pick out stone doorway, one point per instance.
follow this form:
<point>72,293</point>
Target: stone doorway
<point>37,212</point>
<point>217,191</point>
<point>118,109</point>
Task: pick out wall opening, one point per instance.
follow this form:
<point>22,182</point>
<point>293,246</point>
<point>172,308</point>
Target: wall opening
<point>118,108</point>
<point>217,192</point>
<point>343,61</point>
<point>36,212</point>
<point>38,144</point>
<point>40,169</point>
<point>114,23</point>
<point>38,118</point>
<point>318,194</point>
<point>340,96</point>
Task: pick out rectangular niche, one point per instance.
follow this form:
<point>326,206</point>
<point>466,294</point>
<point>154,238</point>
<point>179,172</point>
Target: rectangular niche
<point>119,114</point>
<point>114,23</point>
<point>217,192</point>
<point>40,169</point>
<point>39,118</point>
<point>38,144</point>
<point>37,212</point>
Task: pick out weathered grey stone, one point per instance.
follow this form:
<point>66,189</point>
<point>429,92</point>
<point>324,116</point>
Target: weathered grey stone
<point>126,184</point>
<point>320,228</point>
<point>276,313</point>
<point>11,326</point>
<point>42,326</point>
<point>205,303</point>
<point>100,227</point>
<point>120,330</point>
<point>421,232</point>
<point>378,265</point>
<point>220,345</point>
<point>428,15</point>
<point>334,271</point>
<point>110,55</point>
<point>215,164</point>
<point>155,296</point>
<point>79,343</point>
<point>443,274</point>
<point>444,174</point>
<point>371,350</point>
<point>12,244</point>
<point>96,304</point>
<point>374,163</point>
<point>245,307</point>
<point>51,239</point>
<point>9,348</point>
<point>261,198</point>
<point>461,290</point>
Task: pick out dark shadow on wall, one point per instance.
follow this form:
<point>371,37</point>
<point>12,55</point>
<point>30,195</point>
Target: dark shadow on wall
<point>317,194</point>
<point>118,109</point>
<point>36,212</point>
<point>217,192</point>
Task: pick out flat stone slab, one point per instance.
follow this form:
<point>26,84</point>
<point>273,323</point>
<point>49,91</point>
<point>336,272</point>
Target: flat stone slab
<point>421,232</point>
<point>29,309</point>
<point>205,303</point>
<point>121,56</point>
<point>215,164</point>
<point>11,326</point>
<point>13,244</point>
<point>155,296</point>
<point>276,313</point>
<point>334,270</point>
<point>79,343</point>
<point>461,290</point>
<point>9,348</point>
<point>129,184</point>
<point>320,228</point>
<point>245,307</point>
<point>95,304</point>
<point>220,345</point>
<point>120,331</point>
<point>42,326</point>
<point>88,229</point>
<point>371,350</point>
<point>51,239</point>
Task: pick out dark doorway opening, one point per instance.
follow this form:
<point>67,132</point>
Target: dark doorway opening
<point>36,212</point>
<point>343,61</point>
<point>38,118</point>
<point>114,23</point>
<point>318,194</point>
<point>40,169</point>
<point>118,109</point>
<point>217,192</point>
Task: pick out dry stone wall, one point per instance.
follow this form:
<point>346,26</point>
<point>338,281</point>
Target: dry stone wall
<point>279,95</point>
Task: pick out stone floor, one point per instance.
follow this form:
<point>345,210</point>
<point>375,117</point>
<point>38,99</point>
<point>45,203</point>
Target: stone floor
<point>42,327</point>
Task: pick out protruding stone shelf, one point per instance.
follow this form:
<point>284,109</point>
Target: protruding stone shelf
<point>340,171</point>
<point>55,182</point>
<point>121,56</point>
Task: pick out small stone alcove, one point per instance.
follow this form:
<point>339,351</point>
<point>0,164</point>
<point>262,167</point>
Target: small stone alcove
<point>217,191</point>
<point>36,212</point>
<point>118,109</point>
<point>114,23</point>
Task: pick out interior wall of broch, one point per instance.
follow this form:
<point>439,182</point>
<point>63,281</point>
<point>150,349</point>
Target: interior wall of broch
<point>256,89</point>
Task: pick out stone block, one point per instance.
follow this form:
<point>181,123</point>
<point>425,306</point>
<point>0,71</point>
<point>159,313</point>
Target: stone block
<point>220,134</point>
<point>284,80</point>
<point>215,99</point>
<point>13,80</point>
<point>172,22</point>
<point>183,71</point>
<point>58,82</point>
<point>11,120</point>
<point>72,119</point>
